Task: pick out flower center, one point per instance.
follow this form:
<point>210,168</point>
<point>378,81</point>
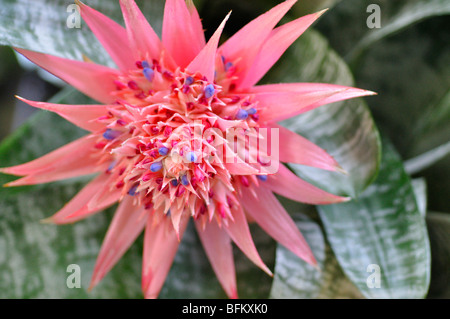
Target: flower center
<point>165,135</point>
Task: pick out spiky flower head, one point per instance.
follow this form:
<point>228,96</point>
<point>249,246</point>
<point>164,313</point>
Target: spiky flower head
<point>183,132</point>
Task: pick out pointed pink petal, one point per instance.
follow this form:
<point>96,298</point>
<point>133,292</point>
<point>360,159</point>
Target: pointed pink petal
<point>289,185</point>
<point>73,160</point>
<point>143,40</point>
<point>282,101</point>
<point>182,33</point>
<point>243,47</point>
<point>196,23</point>
<point>236,165</point>
<point>276,44</point>
<point>106,193</point>
<point>240,233</point>
<point>83,116</point>
<point>77,208</point>
<point>78,148</point>
<point>297,149</point>
<point>176,213</point>
<point>279,106</point>
<point>265,209</point>
<point>128,222</point>
<point>240,167</point>
<point>308,87</point>
<point>160,246</point>
<point>205,61</point>
<point>111,35</point>
<point>217,245</point>
<point>94,80</point>
<point>76,167</point>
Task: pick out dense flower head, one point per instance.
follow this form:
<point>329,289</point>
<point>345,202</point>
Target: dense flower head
<point>165,138</point>
<point>184,131</point>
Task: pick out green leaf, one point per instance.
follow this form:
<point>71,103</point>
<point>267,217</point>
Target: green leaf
<point>410,71</point>
<point>433,129</point>
<point>439,229</point>
<point>345,129</point>
<point>41,25</point>
<point>382,227</point>
<point>8,64</point>
<point>346,24</point>
<point>421,162</point>
<point>335,284</point>
<point>439,116</point>
<point>294,279</point>
<point>411,12</point>
<point>35,257</point>
<point>310,6</point>
<point>420,192</point>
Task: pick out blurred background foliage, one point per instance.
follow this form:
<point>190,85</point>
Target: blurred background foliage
<point>406,61</point>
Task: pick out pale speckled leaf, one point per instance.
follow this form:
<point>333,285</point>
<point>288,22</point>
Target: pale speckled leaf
<point>346,129</point>
<point>35,257</point>
<point>294,279</point>
<point>335,284</point>
<point>382,227</point>
<point>41,25</point>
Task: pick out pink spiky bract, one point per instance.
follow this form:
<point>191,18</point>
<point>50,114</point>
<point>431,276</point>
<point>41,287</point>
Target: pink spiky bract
<point>157,140</point>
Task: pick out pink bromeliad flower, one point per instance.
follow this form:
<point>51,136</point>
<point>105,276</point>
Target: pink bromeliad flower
<point>148,147</point>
